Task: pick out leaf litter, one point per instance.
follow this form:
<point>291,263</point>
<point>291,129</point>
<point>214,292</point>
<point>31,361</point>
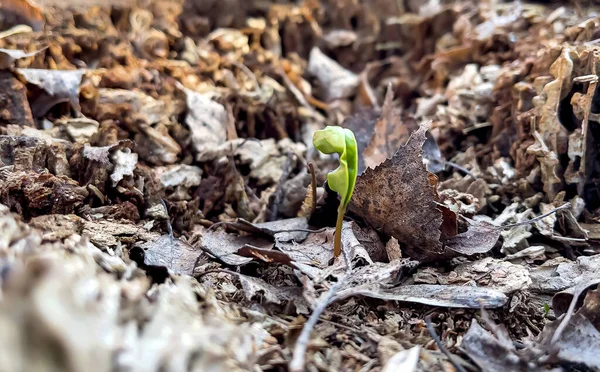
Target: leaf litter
<point>163,206</point>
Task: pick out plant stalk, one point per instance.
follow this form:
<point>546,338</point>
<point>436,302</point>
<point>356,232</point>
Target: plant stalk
<point>337,239</point>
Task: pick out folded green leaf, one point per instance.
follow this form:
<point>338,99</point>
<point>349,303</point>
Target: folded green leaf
<point>339,140</point>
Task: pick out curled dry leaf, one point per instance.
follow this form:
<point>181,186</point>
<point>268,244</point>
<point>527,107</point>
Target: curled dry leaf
<point>404,206</point>
<point>480,237</point>
<point>492,354</point>
<point>206,119</point>
<point>59,85</point>
<point>9,56</point>
<point>224,246</point>
<point>336,81</point>
<point>578,340</point>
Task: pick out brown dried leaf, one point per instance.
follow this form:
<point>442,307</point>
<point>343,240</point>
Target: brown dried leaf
<point>225,246</point>
<point>14,107</point>
<point>22,12</point>
<point>479,238</point>
<point>32,194</point>
<point>403,205</point>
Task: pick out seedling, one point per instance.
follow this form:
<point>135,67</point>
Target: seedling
<point>334,139</point>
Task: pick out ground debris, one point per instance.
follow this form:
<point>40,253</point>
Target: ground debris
<point>160,190</point>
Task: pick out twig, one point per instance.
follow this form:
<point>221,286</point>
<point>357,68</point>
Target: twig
<point>297,363</point>
<point>301,230</point>
<point>579,290</point>
<point>439,343</point>
<point>460,168</point>
<point>279,191</point>
<point>169,227</point>
<point>535,219</point>
<point>313,186</point>
<point>299,355</point>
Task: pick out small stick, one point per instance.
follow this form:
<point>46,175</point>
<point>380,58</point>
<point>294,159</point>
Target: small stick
<point>169,227</point>
<point>298,360</point>
<point>439,343</point>
<point>460,168</point>
<point>299,354</point>
<point>535,219</point>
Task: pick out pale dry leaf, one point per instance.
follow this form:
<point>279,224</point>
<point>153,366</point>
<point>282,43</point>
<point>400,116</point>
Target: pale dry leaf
<point>500,275</point>
<point>433,295</point>
<point>181,175</point>
<point>579,341</point>
<point>98,154</point>
<point>491,354</point>
<point>403,206</point>
<point>9,56</point>
<point>79,129</point>
<point>124,164</point>
<point>59,84</point>
<point>557,276</point>
<point>174,254</point>
<point>206,119</point>
<point>388,136</point>
<point>405,360</point>
<point>336,81</point>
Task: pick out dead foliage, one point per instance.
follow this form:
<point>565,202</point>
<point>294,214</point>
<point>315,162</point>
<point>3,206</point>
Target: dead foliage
<point>162,206</point>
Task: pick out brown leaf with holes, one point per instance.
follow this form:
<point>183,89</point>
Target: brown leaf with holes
<point>404,205</point>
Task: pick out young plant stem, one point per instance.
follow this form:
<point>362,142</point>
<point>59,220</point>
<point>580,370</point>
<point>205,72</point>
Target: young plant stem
<point>337,239</point>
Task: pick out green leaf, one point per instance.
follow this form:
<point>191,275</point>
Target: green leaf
<point>334,139</point>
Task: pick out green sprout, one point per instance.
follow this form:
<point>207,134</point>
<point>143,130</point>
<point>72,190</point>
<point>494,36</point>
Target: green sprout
<point>339,140</point>
<point>546,309</point>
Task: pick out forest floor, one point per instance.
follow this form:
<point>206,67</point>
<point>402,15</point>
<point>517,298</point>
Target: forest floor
<point>163,207</point>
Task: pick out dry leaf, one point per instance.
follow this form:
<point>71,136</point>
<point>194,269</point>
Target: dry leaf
<point>404,205</point>
<point>405,360</point>
<point>206,119</point>
<point>60,85</point>
<point>124,162</point>
<point>490,353</point>
<point>176,255</point>
<point>224,247</point>
<point>433,295</point>
<point>9,56</point>
<point>389,134</point>
<point>579,341</point>
<point>480,237</point>
<point>336,81</point>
